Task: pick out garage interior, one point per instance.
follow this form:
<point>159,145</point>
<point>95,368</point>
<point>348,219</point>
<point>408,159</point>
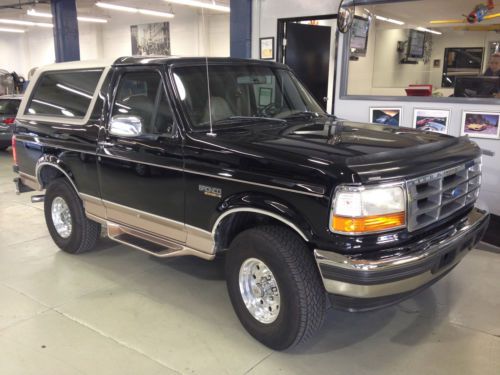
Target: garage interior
<point>118,310</point>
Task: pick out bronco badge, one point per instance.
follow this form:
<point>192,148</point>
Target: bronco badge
<point>210,191</point>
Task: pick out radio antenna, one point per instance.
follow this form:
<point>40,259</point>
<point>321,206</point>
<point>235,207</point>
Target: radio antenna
<point>211,133</point>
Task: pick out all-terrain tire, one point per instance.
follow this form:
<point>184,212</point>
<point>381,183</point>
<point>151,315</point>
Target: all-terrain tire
<point>302,295</point>
<point>84,232</point>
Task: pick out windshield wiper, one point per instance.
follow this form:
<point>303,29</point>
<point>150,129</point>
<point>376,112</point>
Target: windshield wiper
<point>235,119</point>
<point>302,114</point>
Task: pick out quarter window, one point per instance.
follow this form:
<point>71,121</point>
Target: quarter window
<point>64,93</point>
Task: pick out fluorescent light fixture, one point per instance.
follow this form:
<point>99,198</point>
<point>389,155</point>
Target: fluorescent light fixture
<point>155,13</point>
<point>35,13</point>
<point>7,30</point>
<point>122,8</point>
<point>92,19</point>
<point>390,20</point>
<point>24,23</point>
<point>201,4</point>
<point>429,31</point>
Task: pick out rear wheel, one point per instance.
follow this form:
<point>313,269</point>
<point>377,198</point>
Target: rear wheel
<point>65,217</point>
<point>274,286</point>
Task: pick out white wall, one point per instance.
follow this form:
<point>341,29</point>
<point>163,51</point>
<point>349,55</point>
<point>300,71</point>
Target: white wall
<point>265,15</point>
<point>190,35</point>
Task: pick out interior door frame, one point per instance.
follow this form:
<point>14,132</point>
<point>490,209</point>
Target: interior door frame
<point>281,34</point>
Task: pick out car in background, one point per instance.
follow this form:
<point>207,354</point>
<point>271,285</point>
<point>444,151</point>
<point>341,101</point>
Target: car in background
<point>9,104</point>
<point>477,127</point>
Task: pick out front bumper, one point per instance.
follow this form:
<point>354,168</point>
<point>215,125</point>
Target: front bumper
<point>362,283</point>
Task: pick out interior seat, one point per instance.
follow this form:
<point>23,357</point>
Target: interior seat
<point>220,109</point>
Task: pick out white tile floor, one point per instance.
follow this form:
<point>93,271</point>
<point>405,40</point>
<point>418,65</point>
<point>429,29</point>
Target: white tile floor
<point>118,311</point>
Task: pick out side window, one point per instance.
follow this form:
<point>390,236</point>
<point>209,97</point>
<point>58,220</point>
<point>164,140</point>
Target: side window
<point>64,93</point>
<point>142,94</point>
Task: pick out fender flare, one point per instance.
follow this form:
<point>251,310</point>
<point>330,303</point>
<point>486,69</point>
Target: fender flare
<point>266,205</point>
<point>52,161</point>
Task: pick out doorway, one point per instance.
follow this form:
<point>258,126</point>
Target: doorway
<point>308,45</point>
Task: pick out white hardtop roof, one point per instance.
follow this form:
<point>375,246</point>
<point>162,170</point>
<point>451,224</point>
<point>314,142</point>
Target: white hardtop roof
<point>85,64</point>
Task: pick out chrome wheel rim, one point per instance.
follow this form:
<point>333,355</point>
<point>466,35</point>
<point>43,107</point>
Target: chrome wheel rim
<point>259,290</point>
<point>61,217</point>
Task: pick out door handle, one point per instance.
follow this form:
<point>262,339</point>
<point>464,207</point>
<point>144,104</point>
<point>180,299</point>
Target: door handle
<point>106,144</point>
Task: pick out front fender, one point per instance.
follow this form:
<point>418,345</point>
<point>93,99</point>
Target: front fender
<point>267,205</point>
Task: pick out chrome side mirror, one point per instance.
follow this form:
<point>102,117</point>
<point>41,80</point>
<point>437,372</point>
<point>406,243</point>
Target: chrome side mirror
<point>125,126</point>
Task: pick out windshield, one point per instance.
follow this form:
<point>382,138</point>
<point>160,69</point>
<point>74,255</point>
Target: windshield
<point>9,106</point>
<point>241,92</point>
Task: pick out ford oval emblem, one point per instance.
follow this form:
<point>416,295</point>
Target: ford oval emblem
<point>455,193</point>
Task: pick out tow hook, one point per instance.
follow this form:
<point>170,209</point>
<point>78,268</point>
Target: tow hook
<point>37,198</point>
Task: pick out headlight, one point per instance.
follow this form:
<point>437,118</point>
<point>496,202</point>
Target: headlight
<point>363,209</point>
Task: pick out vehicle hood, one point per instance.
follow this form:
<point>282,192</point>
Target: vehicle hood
<point>371,152</point>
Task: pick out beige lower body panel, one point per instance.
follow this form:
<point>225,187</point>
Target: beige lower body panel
<point>179,238</point>
<point>30,181</point>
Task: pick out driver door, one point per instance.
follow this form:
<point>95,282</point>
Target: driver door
<point>141,174</point>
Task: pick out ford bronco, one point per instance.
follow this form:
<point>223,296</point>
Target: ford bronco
<point>235,158</point>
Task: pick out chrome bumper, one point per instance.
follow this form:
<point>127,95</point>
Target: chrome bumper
<point>407,269</point>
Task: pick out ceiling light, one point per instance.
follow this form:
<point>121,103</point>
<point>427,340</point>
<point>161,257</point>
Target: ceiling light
<point>35,13</point>
<point>122,8</point>
<point>155,13</point>
<point>116,7</point>
<point>429,31</point>
<point>390,20</point>
<point>92,19</point>
<point>7,30</point>
<point>201,4</point>
<point>25,23</point>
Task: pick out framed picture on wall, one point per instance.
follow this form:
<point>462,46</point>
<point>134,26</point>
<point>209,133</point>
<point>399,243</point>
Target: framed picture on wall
<point>386,116</point>
<point>150,39</point>
<point>266,48</point>
<point>433,120</point>
<point>479,124</point>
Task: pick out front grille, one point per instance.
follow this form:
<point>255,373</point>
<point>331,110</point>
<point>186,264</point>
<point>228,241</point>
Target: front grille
<point>438,195</point>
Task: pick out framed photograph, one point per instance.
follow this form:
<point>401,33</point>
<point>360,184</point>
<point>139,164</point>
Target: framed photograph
<point>433,120</point>
<point>150,39</point>
<point>266,48</point>
<point>481,124</point>
<point>386,116</point>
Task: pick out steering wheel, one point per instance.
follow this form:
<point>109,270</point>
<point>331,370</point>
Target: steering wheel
<point>269,110</point>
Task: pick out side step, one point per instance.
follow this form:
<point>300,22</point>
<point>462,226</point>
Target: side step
<point>149,243</point>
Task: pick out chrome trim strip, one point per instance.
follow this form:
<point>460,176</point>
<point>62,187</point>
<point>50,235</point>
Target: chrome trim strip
<point>39,166</point>
<point>259,211</point>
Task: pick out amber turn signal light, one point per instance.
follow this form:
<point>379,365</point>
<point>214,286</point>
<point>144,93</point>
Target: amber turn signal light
<point>368,224</point>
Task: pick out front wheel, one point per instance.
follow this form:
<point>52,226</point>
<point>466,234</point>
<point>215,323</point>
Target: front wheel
<point>65,217</point>
<point>274,286</point>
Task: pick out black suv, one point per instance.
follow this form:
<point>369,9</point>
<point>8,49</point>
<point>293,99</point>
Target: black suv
<point>178,156</point>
